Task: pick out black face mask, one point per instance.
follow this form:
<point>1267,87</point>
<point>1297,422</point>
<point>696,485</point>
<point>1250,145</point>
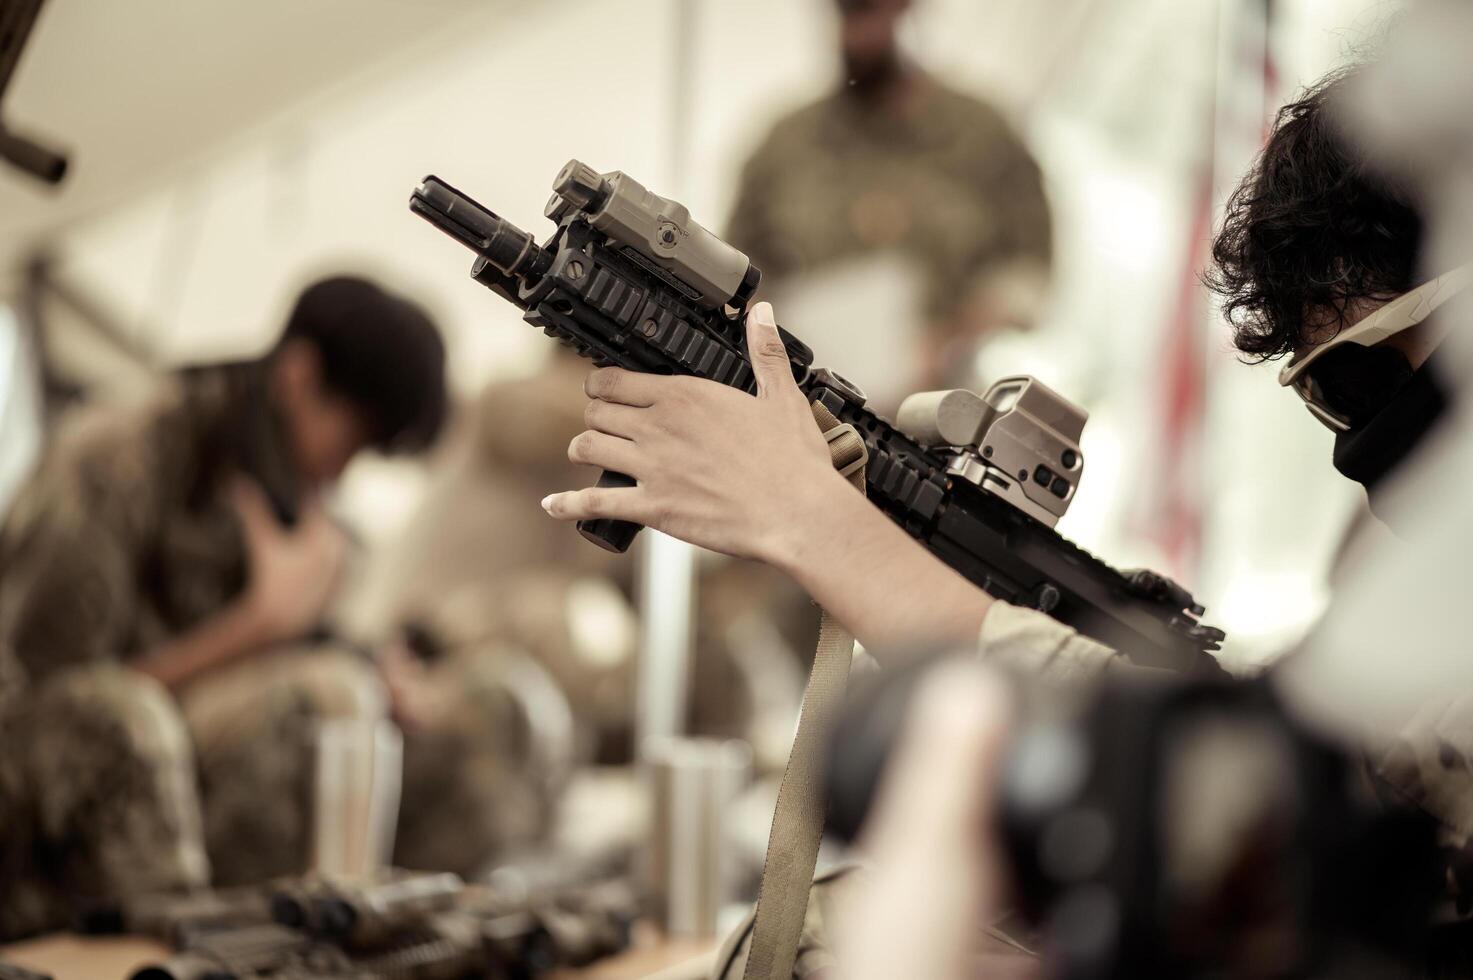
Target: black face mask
<point>1372,449</point>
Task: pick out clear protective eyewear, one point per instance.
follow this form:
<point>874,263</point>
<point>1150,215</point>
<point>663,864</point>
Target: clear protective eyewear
<point>1402,313</point>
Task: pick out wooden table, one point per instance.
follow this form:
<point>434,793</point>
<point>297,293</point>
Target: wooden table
<point>68,957</point>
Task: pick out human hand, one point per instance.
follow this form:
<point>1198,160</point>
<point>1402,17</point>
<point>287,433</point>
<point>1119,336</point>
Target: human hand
<point>293,571</point>
<point>714,466</point>
<point>936,876</point>
<point>413,700</point>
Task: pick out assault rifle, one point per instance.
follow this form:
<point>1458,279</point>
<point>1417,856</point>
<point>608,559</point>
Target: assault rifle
<point>628,279</point>
<point>396,927</point>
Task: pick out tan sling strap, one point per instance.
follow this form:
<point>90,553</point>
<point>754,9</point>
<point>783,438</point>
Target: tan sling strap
<point>797,822</point>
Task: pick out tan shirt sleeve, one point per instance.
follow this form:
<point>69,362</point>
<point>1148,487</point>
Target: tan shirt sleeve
<point>1035,644</point>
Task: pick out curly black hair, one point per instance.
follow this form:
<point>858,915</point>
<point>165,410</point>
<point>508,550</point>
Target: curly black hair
<point>1312,227</point>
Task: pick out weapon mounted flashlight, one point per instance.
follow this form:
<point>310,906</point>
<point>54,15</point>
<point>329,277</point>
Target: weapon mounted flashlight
<point>658,228</point>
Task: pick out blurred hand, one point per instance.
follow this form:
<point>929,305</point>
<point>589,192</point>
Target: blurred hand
<point>714,465</point>
<point>293,571</point>
<point>936,877</point>
<point>413,700</point>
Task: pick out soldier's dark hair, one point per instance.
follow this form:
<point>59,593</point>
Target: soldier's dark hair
<point>1311,229</point>
<point>379,351</point>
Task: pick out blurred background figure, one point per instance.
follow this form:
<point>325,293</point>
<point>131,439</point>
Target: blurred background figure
<point>896,190</point>
<point>525,636</point>
<point>534,630</point>
<point>166,567</point>
<point>490,739</point>
<point>478,517</point>
<point>901,221</point>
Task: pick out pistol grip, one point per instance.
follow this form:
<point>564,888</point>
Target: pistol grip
<point>611,535</point>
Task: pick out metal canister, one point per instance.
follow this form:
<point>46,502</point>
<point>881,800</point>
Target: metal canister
<point>692,873</point>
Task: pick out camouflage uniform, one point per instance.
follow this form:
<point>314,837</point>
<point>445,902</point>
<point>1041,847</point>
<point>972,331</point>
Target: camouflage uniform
<point>481,781</point>
<point>121,540</point>
<point>945,181</point>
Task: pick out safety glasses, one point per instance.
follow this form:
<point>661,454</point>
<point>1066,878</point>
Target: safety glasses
<point>1336,379</point>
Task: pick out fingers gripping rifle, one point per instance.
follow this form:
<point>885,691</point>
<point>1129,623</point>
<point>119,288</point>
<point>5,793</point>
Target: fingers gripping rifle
<point>629,280</point>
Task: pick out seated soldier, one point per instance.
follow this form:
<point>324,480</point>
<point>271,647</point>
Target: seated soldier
<point>163,570</point>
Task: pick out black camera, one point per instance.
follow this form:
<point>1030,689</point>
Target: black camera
<point>1181,828</point>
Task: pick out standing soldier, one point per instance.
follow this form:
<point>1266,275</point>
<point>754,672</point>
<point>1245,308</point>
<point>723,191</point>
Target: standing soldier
<point>897,164</point>
<point>162,571</point>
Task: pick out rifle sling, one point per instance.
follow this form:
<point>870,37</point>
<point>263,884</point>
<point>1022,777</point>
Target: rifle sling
<point>797,822</point>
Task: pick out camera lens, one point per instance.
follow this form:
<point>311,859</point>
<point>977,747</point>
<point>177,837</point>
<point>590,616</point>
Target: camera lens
<point>1059,488</point>
<point>1042,475</point>
<point>1069,459</point>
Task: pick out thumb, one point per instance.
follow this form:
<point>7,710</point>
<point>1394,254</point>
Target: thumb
<point>769,356</point>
